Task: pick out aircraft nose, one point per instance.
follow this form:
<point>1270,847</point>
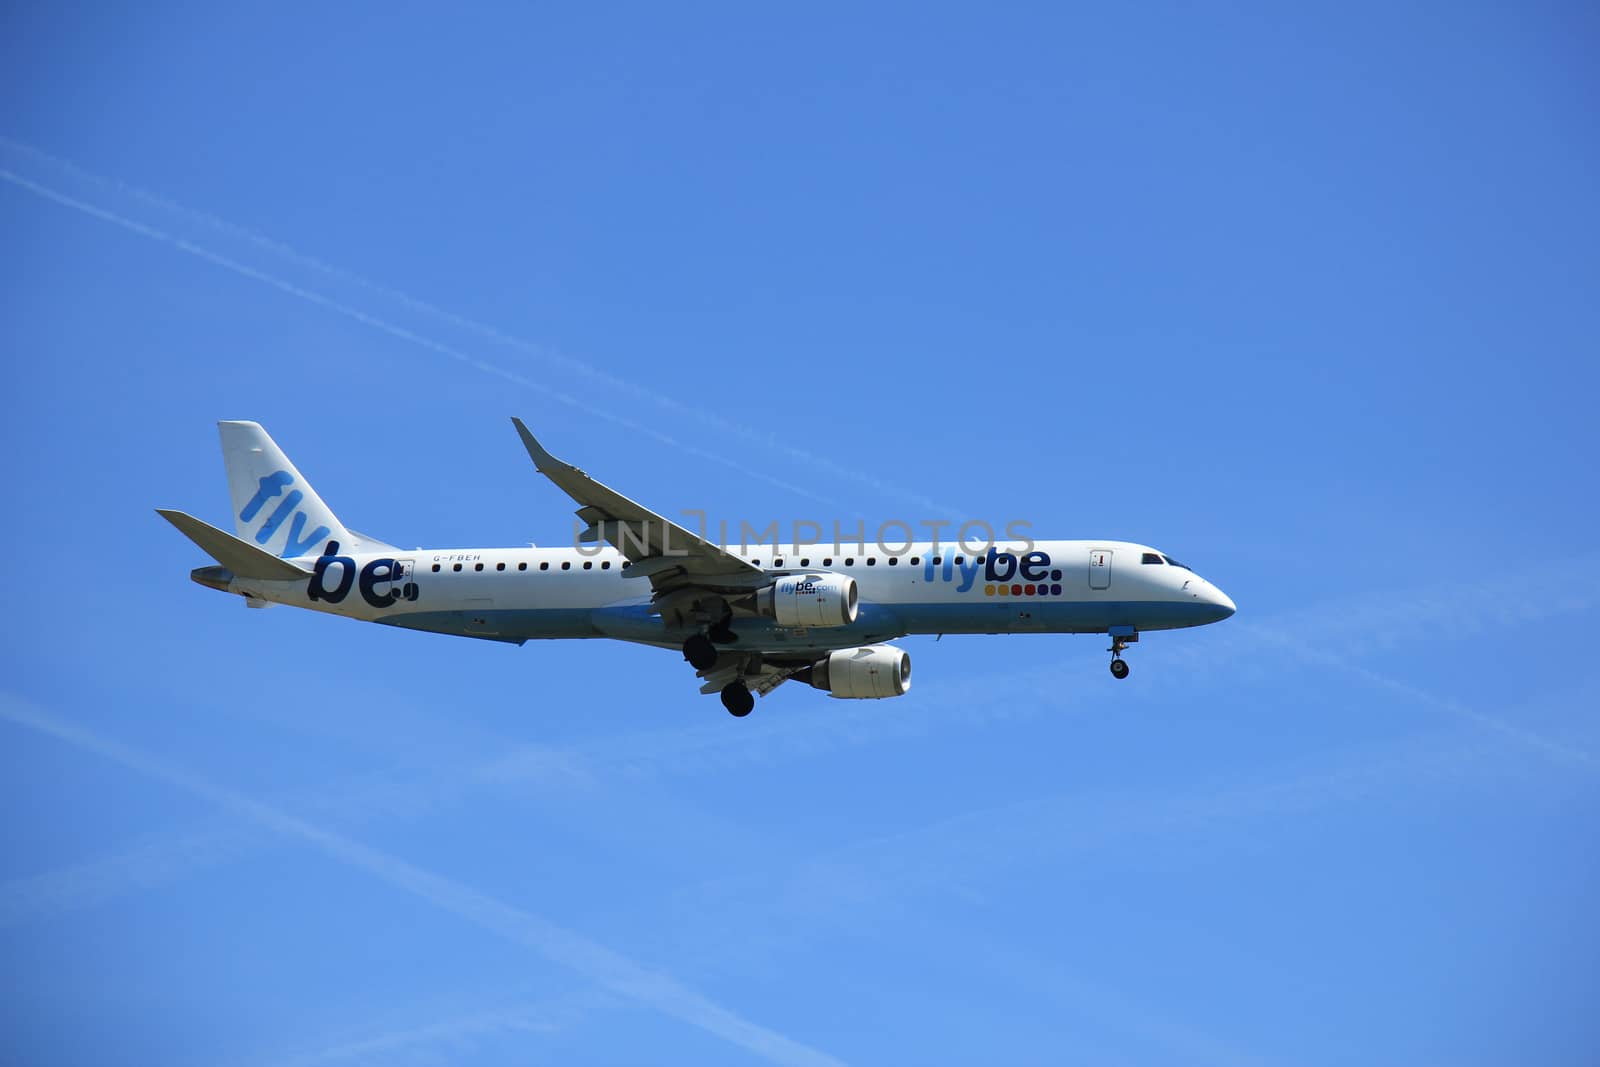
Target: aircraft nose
<point>1216,604</point>
<point>1220,602</point>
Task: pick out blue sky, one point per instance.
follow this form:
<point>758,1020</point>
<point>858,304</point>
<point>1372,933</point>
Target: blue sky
<point>1305,299</point>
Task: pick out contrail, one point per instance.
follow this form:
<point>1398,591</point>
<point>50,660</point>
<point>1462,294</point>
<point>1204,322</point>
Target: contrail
<point>987,841</point>
<point>1448,610</point>
<point>366,319</point>
<point>152,860</point>
<point>160,859</point>
<point>1563,753</point>
<point>874,882</point>
<point>675,407</point>
<point>1324,630</point>
<point>458,1032</point>
<point>607,968</point>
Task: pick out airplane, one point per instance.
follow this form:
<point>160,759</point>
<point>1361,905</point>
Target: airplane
<point>745,621</point>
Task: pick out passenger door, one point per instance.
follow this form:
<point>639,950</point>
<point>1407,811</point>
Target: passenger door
<point>1100,568</point>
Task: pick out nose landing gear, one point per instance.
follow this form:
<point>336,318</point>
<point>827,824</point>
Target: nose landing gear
<point>1121,638</point>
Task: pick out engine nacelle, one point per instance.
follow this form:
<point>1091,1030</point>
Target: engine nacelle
<point>809,600</point>
<point>866,673</point>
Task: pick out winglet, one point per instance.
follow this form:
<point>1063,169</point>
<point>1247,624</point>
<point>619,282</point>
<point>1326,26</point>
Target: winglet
<point>541,459</point>
<point>241,557</point>
<point>649,535</point>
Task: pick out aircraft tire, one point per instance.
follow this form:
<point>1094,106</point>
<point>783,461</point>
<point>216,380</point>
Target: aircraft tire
<point>700,652</point>
<point>738,699</point>
<point>1119,668</point>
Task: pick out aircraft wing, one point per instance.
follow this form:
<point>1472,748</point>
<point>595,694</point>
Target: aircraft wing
<point>671,557</point>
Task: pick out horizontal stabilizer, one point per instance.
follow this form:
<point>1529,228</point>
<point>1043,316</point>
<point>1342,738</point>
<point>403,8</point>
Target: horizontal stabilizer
<point>242,558</point>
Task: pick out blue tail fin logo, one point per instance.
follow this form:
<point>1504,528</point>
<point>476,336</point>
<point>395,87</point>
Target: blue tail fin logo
<point>268,488</point>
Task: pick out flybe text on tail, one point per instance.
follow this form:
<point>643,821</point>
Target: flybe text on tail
<point>273,504</point>
<point>271,487</point>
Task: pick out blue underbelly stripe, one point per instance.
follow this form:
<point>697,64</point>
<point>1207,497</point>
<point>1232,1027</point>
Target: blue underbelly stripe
<point>876,622</point>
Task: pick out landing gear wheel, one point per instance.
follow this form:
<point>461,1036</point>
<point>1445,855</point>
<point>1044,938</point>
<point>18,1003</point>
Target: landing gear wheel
<point>738,699</point>
<point>1119,668</point>
<point>721,631</point>
<point>700,652</point>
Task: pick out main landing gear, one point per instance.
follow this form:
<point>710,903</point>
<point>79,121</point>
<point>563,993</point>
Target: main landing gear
<point>701,649</point>
<point>738,699</point>
<point>700,652</point>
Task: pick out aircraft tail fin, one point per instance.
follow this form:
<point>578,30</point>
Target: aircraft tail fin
<point>240,557</point>
<point>274,507</point>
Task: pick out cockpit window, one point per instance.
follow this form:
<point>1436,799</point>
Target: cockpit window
<point>1151,557</point>
<point>1175,563</point>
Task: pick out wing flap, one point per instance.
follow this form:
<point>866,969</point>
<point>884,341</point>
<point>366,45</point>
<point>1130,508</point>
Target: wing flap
<point>655,566</point>
<point>761,680</point>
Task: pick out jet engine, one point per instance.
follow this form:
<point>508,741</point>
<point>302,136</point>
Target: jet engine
<point>866,673</point>
<point>809,600</point>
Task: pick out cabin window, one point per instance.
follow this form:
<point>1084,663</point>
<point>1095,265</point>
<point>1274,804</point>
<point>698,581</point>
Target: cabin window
<point>894,561</point>
<point>436,568</point>
<point>777,563</point>
<point>477,566</point>
<point>626,564</point>
<point>1150,557</point>
<point>805,563</point>
<point>937,560</point>
<point>522,566</point>
<point>499,566</point>
<point>456,567</point>
<point>606,565</point>
<point>566,564</point>
<point>588,564</point>
<point>828,562</point>
<point>959,561</point>
<point>544,566</point>
<point>850,561</point>
<point>915,561</point>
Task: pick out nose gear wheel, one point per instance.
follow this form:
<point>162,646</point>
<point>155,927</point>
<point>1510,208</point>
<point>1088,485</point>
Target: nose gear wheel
<point>1119,666</point>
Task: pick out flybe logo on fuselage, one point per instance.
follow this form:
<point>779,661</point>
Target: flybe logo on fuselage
<point>381,583</point>
<point>1004,573</point>
<point>269,488</point>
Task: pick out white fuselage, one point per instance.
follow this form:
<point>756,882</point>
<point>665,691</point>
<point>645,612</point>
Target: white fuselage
<point>518,594</point>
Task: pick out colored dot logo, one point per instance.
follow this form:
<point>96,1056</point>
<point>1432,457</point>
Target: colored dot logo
<point>1018,589</point>
<point>1051,588</point>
